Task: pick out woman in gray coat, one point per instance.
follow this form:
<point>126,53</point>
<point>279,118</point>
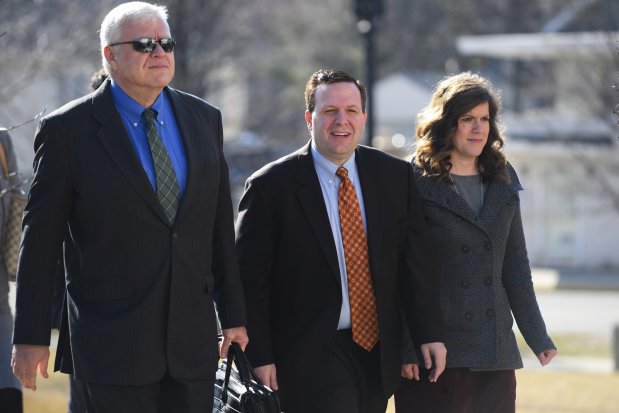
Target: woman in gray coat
<point>472,208</point>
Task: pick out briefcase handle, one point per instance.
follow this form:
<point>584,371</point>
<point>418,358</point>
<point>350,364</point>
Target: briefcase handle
<point>246,371</point>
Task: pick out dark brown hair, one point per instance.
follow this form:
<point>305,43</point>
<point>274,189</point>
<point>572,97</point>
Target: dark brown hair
<point>437,124</point>
<point>328,76</point>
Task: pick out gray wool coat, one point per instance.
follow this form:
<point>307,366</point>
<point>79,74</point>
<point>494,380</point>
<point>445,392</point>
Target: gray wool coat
<point>485,275</point>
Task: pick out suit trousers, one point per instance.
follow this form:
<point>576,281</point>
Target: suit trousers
<point>351,382</point>
<point>459,390</point>
<point>168,395</point>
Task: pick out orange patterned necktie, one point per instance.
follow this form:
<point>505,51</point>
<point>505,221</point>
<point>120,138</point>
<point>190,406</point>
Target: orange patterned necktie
<point>360,289</point>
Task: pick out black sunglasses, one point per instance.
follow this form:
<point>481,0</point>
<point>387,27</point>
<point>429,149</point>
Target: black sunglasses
<point>147,44</point>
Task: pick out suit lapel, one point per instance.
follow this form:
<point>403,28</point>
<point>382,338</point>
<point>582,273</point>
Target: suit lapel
<point>312,203</point>
<point>116,142</point>
<point>371,202</point>
<point>191,136</point>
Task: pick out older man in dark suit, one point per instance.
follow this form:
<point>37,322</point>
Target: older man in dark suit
<point>329,238</point>
<point>133,179</point>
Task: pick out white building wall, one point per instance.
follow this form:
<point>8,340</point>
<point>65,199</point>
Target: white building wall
<point>568,216</point>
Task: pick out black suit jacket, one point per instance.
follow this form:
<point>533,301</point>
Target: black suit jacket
<point>139,290</point>
<point>290,270</point>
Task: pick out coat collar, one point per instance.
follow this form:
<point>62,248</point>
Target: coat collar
<point>496,194</point>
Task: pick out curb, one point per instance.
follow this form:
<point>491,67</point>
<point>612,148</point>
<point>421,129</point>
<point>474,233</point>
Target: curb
<point>549,279</point>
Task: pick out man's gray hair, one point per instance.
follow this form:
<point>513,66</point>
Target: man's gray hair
<point>133,12</point>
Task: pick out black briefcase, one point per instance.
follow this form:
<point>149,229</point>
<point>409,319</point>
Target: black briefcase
<point>237,389</point>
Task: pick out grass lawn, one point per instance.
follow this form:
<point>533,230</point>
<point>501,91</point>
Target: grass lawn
<point>539,390</point>
<point>50,396</point>
<point>561,392</point>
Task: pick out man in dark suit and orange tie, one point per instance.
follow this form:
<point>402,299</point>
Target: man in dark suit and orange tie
<point>332,249</point>
<point>133,179</point>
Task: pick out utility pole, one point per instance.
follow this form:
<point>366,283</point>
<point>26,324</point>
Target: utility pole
<point>367,14</point>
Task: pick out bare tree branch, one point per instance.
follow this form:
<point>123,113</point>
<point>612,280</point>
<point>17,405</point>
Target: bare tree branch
<point>37,116</point>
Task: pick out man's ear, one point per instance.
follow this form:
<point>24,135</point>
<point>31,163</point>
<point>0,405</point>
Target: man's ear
<point>111,56</point>
<point>308,120</point>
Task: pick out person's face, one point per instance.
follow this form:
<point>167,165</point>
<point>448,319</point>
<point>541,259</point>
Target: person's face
<point>337,121</point>
<point>472,133</point>
<point>140,74</point>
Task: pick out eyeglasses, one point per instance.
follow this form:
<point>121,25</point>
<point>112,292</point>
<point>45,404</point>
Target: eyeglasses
<point>147,44</point>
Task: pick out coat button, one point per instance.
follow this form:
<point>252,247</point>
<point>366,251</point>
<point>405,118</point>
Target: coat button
<point>465,284</point>
<point>468,316</point>
<point>174,235</point>
<point>490,313</point>
<point>488,245</point>
<point>465,248</point>
<point>488,281</point>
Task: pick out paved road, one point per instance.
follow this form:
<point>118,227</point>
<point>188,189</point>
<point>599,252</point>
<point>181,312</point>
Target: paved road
<point>590,312</point>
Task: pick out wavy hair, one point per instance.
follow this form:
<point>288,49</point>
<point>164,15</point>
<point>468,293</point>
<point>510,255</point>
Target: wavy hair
<point>437,123</point>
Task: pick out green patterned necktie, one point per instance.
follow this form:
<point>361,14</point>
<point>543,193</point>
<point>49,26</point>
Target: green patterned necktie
<point>167,185</point>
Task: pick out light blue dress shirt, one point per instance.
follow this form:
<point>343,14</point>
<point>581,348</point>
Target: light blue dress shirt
<point>131,114</point>
<point>329,183</point>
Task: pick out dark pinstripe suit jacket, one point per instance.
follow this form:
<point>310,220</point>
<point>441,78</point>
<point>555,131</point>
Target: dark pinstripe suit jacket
<point>140,291</point>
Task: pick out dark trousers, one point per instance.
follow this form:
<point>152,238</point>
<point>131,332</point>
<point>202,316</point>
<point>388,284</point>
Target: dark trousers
<point>351,382</point>
<point>168,395</point>
<point>459,390</point>
<point>77,395</point>
<point>11,400</point>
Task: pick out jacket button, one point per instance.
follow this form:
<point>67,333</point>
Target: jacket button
<point>174,235</point>
<point>468,316</point>
<point>488,281</point>
<point>490,313</point>
<point>464,248</point>
<point>488,245</point>
<point>465,283</point>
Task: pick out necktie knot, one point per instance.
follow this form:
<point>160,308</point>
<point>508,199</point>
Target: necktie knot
<point>342,173</point>
<point>149,115</point>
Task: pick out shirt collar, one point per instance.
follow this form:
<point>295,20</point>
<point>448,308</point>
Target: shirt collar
<point>325,166</point>
<point>131,108</point>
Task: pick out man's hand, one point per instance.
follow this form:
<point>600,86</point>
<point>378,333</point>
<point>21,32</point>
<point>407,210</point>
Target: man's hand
<point>438,353</point>
<point>236,335</point>
<point>546,356</point>
<point>26,359</point>
<point>410,371</point>
<point>267,376</point>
